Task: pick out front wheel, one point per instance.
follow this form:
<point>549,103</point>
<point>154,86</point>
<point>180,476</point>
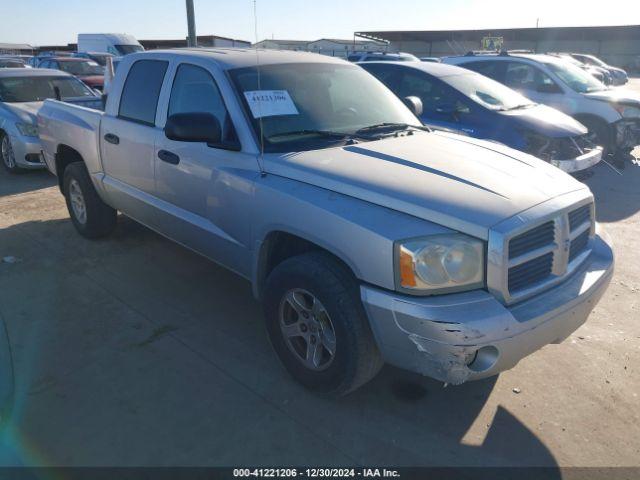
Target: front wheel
<point>8,154</point>
<point>90,215</point>
<point>601,133</point>
<point>317,324</point>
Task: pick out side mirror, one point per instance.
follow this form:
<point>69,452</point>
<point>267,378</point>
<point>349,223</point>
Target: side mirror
<point>447,109</point>
<point>548,88</point>
<point>193,127</point>
<point>414,104</point>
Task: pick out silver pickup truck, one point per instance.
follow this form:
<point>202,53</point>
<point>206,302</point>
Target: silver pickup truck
<point>367,237</point>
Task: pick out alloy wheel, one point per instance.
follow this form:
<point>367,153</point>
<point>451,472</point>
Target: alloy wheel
<point>307,329</point>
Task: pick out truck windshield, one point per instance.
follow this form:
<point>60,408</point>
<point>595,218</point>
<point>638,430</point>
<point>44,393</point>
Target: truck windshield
<point>81,68</point>
<point>37,89</point>
<point>303,106</point>
<point>488,93</point>
<point>576,78</point>
<point>127,49</point>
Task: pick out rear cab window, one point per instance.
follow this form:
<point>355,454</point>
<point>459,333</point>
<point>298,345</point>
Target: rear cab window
<point>141,91</point>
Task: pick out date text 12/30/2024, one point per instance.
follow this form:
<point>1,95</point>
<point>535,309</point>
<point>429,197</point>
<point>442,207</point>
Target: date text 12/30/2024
<point>315,473</point>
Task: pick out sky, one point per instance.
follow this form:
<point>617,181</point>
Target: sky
<point>46,22</point>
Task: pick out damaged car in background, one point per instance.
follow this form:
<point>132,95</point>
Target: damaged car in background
<point>22,92</point>
<point>465,102</point>
<point>612,115</point>
<point>367,237</point>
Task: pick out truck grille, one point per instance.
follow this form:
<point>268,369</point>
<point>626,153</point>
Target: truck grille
<point>535,238</point>
<point>548,252</point>
<point>530,272</point>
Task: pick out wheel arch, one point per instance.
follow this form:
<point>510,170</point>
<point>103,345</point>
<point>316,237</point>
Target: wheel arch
<point>65,156</point>
<point>280,245</point>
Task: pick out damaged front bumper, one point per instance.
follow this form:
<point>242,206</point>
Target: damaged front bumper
<point>584,161</point>
<point>468,336</point>
<point>627,133</point>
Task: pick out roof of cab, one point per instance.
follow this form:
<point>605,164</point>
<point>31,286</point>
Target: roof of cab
<point>438,70</point>
<point>31,72</point>
<point>229,58</point>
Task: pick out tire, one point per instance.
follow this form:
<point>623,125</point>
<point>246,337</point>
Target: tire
<point>99,219</point>
<point>7,154</point>
<point>318,276</point>
<point>602,133</point>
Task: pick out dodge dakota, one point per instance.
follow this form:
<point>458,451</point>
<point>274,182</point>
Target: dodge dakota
<point>367,237</point>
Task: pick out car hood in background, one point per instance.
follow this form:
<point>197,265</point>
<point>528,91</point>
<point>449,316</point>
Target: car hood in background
<point>617,95</point>
<point>461,183</point>
<point>546,121</point>
<point>25,112</point>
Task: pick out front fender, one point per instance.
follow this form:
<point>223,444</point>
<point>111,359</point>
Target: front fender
<point>359,233</point>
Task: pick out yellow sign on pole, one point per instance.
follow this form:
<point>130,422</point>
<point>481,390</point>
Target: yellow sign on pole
<point>492,43</point>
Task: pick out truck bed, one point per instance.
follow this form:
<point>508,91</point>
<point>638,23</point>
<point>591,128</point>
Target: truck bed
<point>66,124</point>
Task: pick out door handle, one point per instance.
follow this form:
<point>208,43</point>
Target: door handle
<point>111,138</point>
<point>169,157</point>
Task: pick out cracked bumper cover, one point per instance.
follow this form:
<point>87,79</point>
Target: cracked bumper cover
<point>582,162</point>
<point>439,336</point>
<point>628,133</point>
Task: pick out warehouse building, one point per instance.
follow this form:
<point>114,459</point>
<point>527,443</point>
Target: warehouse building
<point>327,46</point>
<point>16,49</point>
<point>617,45</point>
<point>203,41</point>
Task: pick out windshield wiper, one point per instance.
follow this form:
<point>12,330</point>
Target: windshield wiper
<point>391,126</point>
<point>322,133</point>
<point>518,107</point>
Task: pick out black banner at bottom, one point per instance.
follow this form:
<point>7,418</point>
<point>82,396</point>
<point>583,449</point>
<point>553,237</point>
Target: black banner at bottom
<point>347,473</point>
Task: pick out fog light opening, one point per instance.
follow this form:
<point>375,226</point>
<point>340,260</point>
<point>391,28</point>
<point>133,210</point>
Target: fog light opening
<point>485,359</point>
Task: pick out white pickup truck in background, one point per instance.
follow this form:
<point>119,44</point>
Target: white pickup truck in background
<point>366,236</point>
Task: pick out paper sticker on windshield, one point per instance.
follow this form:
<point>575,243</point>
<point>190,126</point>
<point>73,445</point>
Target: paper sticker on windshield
<point>270,103</point>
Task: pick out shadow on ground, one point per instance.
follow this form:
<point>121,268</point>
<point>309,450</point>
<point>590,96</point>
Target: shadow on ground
<point>26,181</point>
<point>136,351</point>
<point>608,187</point>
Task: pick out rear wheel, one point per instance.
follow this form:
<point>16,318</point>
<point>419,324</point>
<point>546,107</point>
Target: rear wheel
<point>317,325</point>
<point>91,217</point>
<point>8,154</point>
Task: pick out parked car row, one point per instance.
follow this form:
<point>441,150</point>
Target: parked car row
<point>367,236</point>
<point>22,92</point>
<point>465,102</point>
<point>611,115</point>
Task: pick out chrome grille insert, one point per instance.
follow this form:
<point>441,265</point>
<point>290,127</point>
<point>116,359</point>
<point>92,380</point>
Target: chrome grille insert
<point>540,247</point>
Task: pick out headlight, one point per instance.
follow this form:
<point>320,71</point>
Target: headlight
<point>439,264</point>
<point>627,111</point>
<point>27,129</point>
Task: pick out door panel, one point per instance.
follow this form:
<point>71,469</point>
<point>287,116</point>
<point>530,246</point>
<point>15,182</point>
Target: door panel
<point>203,191</point>
<point>127,143</point>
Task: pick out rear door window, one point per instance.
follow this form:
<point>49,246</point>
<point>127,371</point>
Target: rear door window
<point>489,69</point>
<point>523,76</point>
<point>139,100</point>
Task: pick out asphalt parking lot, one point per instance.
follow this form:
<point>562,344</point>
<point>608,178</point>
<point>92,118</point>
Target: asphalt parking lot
<point>133,351</point>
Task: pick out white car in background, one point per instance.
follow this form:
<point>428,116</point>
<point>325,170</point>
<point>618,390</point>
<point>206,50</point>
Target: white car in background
<point>118,44</point>
<point>22,91</point>
<point>612,115</point>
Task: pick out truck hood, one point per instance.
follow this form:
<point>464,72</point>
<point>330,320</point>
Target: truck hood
<point>461,183</point>
<point>617,95</point>
<point>24,112</point>
<point>546,121</point>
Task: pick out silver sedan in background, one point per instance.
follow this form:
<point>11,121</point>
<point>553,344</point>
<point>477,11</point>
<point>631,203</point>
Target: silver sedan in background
<point>22,91</point>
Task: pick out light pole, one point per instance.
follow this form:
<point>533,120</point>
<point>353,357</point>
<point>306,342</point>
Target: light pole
<point>192,40</point>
